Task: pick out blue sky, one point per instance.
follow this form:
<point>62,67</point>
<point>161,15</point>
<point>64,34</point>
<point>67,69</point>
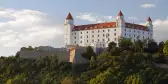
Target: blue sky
<point>40,22</point>
<point>60,8</point>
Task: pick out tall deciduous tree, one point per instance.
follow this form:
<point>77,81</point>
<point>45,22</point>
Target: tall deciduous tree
<point>165,48</point>
<point>111,45</point>
<point>89,53</point>
<point>125,43</point>
<point>160,47</point>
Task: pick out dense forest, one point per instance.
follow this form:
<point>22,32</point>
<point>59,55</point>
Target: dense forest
<point>125,63</point>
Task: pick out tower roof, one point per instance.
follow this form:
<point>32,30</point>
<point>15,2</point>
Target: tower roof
<point>69,17</point>
<point>120,14</point>
<point>149,19</point>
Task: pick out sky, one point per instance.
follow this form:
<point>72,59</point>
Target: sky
<point>26,23</point>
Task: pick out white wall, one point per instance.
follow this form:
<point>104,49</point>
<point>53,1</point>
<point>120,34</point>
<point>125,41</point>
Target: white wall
<point>134,33</point>
<point>97,37</point>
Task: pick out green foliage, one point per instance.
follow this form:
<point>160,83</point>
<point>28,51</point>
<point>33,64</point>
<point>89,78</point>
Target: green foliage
<point>67,80</point>
<point>138,46</point>
<point>152,46</point>
<point>160,47</point>
<point>134,79</point>
<point>165,48</point>
<point>89,53</point>
<point>14,70</point>
<point>106,77</point>
<point>130,63</point>
<point>111,45</point>
<point>125,43</point>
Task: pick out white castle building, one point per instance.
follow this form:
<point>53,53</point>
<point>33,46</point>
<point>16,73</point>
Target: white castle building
<point>100,34</point>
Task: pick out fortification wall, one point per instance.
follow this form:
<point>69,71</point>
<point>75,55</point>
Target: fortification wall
<point>62,55</point>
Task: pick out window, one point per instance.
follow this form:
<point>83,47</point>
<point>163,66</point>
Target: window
<point>125,34</point>
<point>108,30</point>
<point>80,41</point>
<point>92,40</point>
<point>81,37</point>
<point>92,35</point>
<point>108,34</point>
<point>98,31</point>
<point>108,39</point>
<point>98,35</point>
<point>115,39</point>
<point>114,34</point>
<point>75,37</point>
<point>103,45</point>
<point>75,42</point>
<point>103,39</point>
<point>143,32</point>
<point>75,33</point>
<point>92,31</point>
<point>134,35</point>
<point>87,41</point>
<point>87,36</point>
<point>87,32</point>
<point>134,30</point>
<point>143,37</point>
<point>103,30</point>
<point>129,30</point>
<point>130,35</point>
<point>114,29</point>
<point>125,29</point>
<point>72,33</point>
<point>98,40</point>
<point>103,35</point>
<point>81,32</point>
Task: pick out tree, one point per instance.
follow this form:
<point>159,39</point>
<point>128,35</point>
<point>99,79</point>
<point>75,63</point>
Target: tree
<point>151,46</point>
<point>134,79</point>
<point>9,81</point>
<point>89,53</point>
<point>138,46</point>
<point>107,77</point>
<point>111,45</point>
<point>125,43</point>
<point>165,48</point>
<point>17,55</point>
<point>113,50</point>
<point>92,62</point>
<point>67,80</point>
<point>160,47</point>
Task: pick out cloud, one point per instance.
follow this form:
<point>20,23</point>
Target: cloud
<point>27,28</point>
<point>160,29</point>
<point>94,17</point>
<point>148,5</point>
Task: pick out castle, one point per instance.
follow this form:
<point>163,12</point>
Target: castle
<point>100,34</point>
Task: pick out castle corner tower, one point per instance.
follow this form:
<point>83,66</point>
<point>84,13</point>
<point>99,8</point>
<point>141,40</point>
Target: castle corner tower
<point>68,26</point>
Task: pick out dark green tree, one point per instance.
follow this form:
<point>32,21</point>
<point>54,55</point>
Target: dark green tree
<point>125,43</point>
<point>89,53</point>
<point>165,48</point>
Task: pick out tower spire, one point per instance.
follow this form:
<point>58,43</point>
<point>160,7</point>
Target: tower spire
<point>149,19</point>
<point>120,13</point>
<point>69,17</point>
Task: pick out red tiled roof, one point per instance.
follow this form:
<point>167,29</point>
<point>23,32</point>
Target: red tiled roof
<point>120,14</point>
<point>108,25</point>
<point>95,26</point>
<point>69,17</point>
<point>149,19</point>
<point>136,26</point>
